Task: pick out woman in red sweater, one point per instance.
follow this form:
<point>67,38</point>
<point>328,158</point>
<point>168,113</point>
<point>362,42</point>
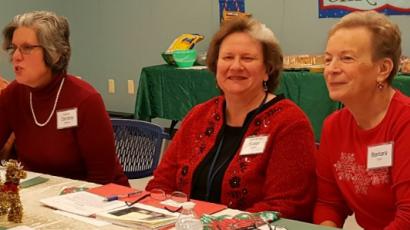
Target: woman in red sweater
<point>364,160</point>
<point>59,121</point>
<point>249,149</point>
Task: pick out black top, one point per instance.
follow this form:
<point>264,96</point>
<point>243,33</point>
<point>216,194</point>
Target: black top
<point>231,138</point>
<point>232,135</point>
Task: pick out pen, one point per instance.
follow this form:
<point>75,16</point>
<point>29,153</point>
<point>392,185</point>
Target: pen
<point>119,196</point>
<point>137,200</point>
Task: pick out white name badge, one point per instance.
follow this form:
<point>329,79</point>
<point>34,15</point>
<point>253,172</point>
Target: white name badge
<point>67,118</point>
<point>380,156</point>
<point>254,145</point>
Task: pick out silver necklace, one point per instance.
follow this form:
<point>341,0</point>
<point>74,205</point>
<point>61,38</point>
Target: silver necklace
<point>52,111</point>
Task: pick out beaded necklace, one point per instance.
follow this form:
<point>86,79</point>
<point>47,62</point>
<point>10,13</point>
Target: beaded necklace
<point>52,111</point>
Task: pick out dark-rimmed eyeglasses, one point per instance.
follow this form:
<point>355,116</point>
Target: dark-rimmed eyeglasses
<point>24,49</point>
<point>177,198</point>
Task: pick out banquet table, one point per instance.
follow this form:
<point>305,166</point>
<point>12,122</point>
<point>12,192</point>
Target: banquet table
<point>168,92</point>
<point>40,217</point>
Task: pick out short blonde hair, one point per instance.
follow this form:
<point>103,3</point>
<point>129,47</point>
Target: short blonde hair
<point>385,35</point>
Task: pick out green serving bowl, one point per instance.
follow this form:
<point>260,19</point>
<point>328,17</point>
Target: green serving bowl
<point>184,58</point>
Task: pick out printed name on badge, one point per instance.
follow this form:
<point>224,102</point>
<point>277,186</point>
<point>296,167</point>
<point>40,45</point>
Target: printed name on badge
<point>67,118</point>
<point>380,156</point>
<point>254,145</point>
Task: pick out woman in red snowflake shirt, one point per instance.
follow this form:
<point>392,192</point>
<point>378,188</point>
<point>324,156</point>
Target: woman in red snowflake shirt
<point>364,160</point>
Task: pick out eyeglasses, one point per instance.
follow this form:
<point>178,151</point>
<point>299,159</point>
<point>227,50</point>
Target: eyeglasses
<point>174,199</point>
<point>24,49</point>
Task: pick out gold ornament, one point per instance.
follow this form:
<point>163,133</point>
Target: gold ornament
<point>10,202</point>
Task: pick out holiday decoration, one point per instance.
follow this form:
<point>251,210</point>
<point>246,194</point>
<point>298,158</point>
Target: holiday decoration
<point>10,202</point>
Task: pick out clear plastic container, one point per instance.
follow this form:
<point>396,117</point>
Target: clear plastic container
<point>187,219</point>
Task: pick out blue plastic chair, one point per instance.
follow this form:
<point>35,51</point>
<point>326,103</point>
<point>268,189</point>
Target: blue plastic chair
<point>138,144</point>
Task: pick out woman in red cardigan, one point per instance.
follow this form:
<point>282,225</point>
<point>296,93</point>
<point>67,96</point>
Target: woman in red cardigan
<point>248,148</point>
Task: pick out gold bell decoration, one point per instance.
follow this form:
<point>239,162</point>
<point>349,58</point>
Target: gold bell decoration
<point>10,203</point>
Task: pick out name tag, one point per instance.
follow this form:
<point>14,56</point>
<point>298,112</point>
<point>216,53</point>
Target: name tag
<point>254,145</point>
<point>380,156</point>
<point>67,118</point>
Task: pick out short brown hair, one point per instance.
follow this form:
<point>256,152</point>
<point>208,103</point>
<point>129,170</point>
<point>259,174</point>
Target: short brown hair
<point>385,35</point>
<point>272,53</point>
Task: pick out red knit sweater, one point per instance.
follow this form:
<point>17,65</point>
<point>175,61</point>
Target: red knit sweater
<point>86,152</point>
<point>282,178</point>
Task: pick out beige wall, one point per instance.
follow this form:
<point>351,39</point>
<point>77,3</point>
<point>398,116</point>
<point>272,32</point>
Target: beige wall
<point>114,39</point>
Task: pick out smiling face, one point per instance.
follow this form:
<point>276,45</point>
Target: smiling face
<point>240,65</point>
<point>350,71</point>
<point>30,69</point>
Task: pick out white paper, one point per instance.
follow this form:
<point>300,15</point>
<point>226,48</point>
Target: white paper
<point>140,220</point>
<point>88,220</point>
<point>172,203</point>
<point>81,203</point>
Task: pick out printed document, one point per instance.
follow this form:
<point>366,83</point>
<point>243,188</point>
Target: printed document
<point>81,203</point>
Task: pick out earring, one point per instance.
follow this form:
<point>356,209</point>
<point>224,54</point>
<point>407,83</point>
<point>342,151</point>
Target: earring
<point>380,85</point>
<point>265,86</point>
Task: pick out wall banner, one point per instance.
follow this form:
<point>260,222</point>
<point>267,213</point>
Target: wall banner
<point>339,8</point>
<point>231,5</point>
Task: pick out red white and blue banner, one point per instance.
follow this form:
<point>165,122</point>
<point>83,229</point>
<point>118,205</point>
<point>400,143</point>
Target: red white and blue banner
<point>232,5</point>
<point>339,8</point>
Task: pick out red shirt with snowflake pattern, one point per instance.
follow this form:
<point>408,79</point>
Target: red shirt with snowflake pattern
<point>380,198</point>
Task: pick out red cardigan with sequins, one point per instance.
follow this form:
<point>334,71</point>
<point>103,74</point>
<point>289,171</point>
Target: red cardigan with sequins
<point>282,178</point>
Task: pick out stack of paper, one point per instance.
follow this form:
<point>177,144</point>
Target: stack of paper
<point>81,203</point>
<point>141,216</point>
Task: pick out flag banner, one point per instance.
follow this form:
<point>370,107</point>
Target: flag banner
<point>231,5</point>
<point>339,8</point>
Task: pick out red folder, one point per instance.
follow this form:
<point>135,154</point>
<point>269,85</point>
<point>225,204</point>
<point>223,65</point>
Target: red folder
<point>201,207</point>
<point>111,189</point>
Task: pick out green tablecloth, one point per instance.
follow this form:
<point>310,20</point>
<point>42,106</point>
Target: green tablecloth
<point>169,93</point>
<point>308,90</point>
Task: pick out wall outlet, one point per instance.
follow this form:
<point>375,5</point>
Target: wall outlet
<point>111,86</point>
<point>131,87</point>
